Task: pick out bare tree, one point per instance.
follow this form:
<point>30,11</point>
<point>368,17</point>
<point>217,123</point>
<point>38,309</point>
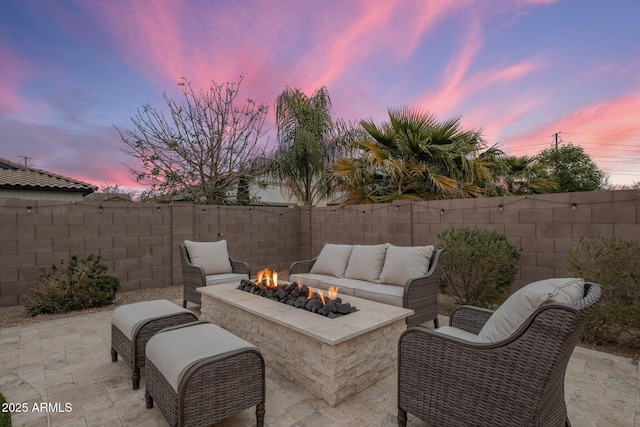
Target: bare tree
<point>203,150</point>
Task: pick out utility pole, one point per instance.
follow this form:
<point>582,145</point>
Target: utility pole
<point>558,140</point>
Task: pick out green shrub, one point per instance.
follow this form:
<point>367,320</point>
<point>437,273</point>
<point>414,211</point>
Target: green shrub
<point>78,285</point>
<point>479,265</point>
<point>614,263</point>
<point>5,417</point>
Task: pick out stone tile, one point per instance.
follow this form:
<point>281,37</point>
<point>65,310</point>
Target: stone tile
<point>600,389</point>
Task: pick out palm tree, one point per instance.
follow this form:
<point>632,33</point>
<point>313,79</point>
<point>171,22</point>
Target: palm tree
<point>416,157</point>
<point>309,142</point>
<point>521,175</point>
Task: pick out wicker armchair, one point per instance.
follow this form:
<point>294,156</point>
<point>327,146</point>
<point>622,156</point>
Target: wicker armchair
<point>194,276</point>
<point>448,381</point>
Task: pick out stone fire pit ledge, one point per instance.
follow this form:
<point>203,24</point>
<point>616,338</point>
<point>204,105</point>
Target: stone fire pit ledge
<point>370,315</point>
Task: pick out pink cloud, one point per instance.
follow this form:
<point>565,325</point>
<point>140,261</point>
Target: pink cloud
<point>15,71</point>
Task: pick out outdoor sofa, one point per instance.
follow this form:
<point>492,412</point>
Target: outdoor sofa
<point>403,276</point>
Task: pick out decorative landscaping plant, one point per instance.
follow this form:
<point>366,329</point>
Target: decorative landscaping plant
<point>479,266</point>
<point>80,284</point>
<point>614,263</point>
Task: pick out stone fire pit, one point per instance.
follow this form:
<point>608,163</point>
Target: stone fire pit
<point>331,358</point>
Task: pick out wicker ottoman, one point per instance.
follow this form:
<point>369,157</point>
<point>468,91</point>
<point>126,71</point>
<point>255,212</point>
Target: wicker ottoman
<point>133,324</point>
<point>199,374</point>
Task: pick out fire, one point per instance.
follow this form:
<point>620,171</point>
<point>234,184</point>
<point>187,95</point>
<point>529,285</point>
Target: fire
<point>321,296</point>
<point>269,276</point>
<point>332,292</point>
<point>310,294</point>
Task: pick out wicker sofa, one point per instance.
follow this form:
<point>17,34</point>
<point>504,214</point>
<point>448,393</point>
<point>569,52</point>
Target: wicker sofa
<point>208,263</point>
<point>404,276</point>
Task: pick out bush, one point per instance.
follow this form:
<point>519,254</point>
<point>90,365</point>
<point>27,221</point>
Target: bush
<point>5,417</point>
<point>81,284</point>
<point>614,263</point>
<point>479,266</point>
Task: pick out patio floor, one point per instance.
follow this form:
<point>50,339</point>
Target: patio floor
<point>68,361</point>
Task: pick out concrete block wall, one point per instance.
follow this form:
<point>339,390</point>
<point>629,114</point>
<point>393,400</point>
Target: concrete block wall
<point>139,242</point>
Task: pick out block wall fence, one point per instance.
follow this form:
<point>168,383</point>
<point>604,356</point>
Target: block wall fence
<point>139,242</point>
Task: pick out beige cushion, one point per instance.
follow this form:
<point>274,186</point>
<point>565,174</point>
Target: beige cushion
<point>365,262</point>
<point>332,260</point>
<point>522,303</point>
<point>458,333</point>
<point>310,279</point>
<point>128,318</point>
<point>405,262</point>
<point>212,256</point>
<point>219,279</point>
<point>172,352</point>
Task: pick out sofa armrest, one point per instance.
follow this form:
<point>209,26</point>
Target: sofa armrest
<point>469,318</point>
<point>301,267</point>
<point>240,267</point>
<point>421,294</point>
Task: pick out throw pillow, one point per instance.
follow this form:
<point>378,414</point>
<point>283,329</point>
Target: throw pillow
<point>212,256</point>
<point>405,262</point>
<point>332,260</point>
<point>522,303</point>
<point>365,262</point>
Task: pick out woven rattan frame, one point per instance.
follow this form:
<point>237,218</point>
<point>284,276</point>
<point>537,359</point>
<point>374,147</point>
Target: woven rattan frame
<point>132,351</point>
<point>420,294</point>
<point>194,277</point>
<point>211,389</point>
<point>447,381</point>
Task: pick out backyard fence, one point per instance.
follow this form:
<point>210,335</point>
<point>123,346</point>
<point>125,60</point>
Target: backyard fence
<point>139,242</point>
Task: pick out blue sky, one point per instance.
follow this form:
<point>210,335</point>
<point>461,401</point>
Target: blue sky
<point>521,70</point>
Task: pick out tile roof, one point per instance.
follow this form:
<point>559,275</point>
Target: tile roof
<point>16,176</point>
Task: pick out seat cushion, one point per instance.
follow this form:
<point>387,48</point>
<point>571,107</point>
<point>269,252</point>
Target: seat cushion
<point>365,262</point>
<point>405,262</point>
<point>218,279</point>
<point>310,279</point>
<point>458,333</point>
<point>386,294</point>
<point>525,301</point>
<point>129,317</point>
<point>332,260</point>
<point>173,351</point>
<point>212,256</point>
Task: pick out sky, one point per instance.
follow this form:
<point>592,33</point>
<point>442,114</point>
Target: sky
<point>520,70</point>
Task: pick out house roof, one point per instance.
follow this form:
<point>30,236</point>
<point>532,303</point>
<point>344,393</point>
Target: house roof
<point>20,177</point>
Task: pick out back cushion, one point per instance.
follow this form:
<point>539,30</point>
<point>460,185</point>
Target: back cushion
<point>365,262</point>
<point>332,260</point>
<point>522,303</point>
<point>405,262</point>
<point>212,256</point>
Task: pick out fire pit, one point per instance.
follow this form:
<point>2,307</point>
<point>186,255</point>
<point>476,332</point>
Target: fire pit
<point>297,295</point>
<point>331,358</point>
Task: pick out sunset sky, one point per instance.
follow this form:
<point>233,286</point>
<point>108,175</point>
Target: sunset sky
<point>520,69</point>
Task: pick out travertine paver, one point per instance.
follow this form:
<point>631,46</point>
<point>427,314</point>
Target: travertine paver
<point>68,361</point>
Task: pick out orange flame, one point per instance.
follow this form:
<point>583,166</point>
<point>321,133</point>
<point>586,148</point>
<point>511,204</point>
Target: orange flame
<point>275,278</point>
<point>321,296</point>
<point>332,292</point>
<point>310,294</point>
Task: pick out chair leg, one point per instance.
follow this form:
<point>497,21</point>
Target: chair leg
<point>148,400</point>
<point>184,303</point>
<point>260,414</point>
<point>135,378</point>
<point>402,418</point>
<point>114,355</point>
<point>436,322</point>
